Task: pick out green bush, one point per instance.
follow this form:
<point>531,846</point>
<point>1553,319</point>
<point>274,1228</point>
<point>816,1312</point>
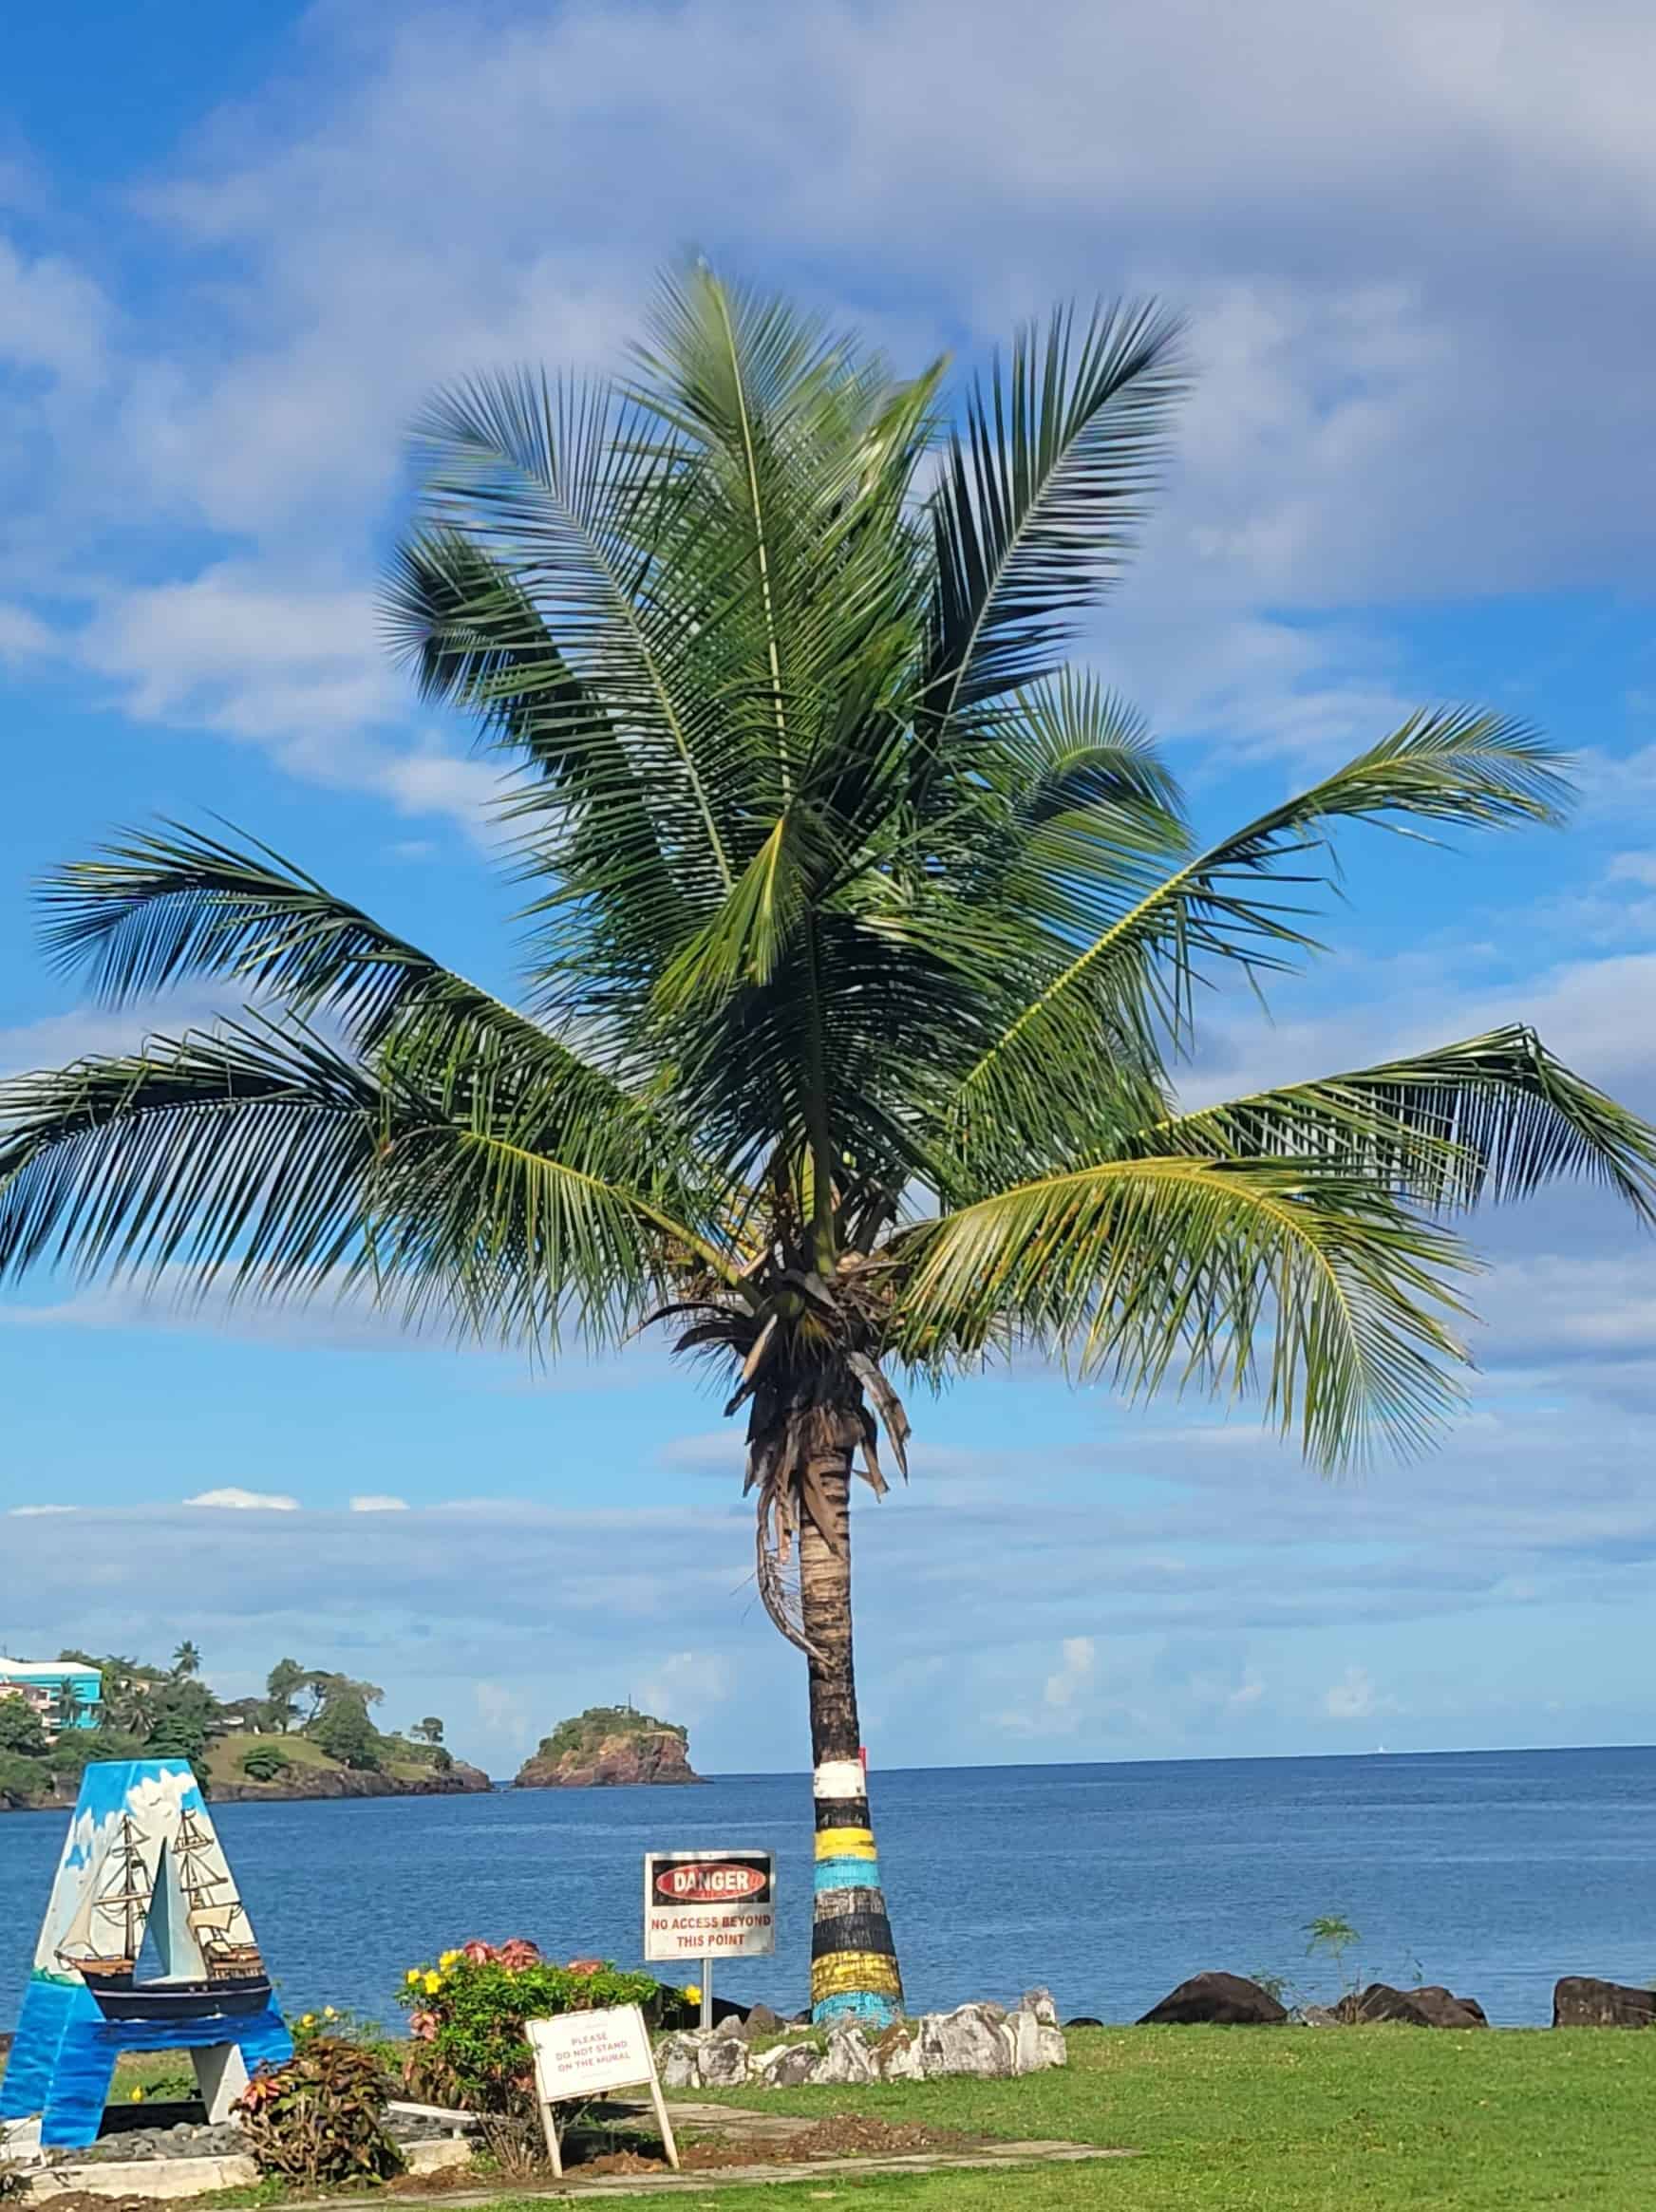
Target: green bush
<point>466,2016</point>
<point>322,2116</point>
<point>265,1762</point>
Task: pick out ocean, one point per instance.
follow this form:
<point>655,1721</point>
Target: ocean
<point>1493,1872</point>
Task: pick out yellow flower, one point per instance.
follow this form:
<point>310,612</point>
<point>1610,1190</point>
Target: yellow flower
<point>307,2019</point>
<point>447,1959</point>
<point>433,1983</point>
<point>692,1993</point>
<point>137,2097</point>
<point>412,1976</point>
<point>328,2013</point>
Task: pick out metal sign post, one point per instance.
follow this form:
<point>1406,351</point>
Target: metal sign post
<point>699,1906</point>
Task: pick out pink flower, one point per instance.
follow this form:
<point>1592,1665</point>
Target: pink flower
<point>585,1966</point>
<point>518,1954</point>
<point>477,1953</point>
<point>423,2027</point>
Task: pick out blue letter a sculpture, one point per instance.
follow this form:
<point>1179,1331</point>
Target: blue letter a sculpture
<point>142,1856</point>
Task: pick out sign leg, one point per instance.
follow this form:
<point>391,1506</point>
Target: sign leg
<point>662,2122</point>
<point>220,2076</point>
<point>706,1993</point>
<point>549,2122</point>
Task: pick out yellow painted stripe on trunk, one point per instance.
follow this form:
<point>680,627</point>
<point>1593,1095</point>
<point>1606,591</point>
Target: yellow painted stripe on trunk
<point>846,1843</point>
<point>843,1972</point>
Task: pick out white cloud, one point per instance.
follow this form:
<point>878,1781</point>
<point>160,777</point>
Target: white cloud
<point>53,318</point>
<point>246,1501</point>
<point>300,671</point>
<point>57,1039</point>
<point>24,636</point>
<point>1074,1676</point>
<point>34,1512</point>
<point>687,1686</point>
<point>1355,1698</point>
<point>1375,381</point>
<point>503,1714</point>
<point>372,1504</point>
<point>1635,868</point>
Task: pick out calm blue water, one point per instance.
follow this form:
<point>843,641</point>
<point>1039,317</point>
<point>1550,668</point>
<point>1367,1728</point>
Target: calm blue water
<point>1497,1871</point>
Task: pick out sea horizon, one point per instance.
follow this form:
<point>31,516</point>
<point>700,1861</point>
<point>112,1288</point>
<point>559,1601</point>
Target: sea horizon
<point>1495,1871</point>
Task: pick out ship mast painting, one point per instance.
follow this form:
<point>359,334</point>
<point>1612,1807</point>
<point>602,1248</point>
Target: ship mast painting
<point>123,1898</point>
<point>142,1872</point>
<point>233,1979</point>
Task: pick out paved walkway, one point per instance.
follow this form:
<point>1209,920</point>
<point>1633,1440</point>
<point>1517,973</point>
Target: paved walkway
<point>742,2126</point>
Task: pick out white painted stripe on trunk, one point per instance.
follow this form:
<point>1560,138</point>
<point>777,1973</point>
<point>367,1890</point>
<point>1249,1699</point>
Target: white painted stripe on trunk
<point>839,1778</point>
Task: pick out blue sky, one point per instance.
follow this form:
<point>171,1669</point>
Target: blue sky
<point>1415,246</point>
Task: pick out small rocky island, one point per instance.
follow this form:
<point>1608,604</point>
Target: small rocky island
<point>606,1746</point>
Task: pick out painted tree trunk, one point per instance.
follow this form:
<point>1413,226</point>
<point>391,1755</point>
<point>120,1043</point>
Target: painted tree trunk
<point>853,1962</point>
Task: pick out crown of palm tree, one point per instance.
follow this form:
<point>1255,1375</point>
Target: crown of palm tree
<point>864,939</point>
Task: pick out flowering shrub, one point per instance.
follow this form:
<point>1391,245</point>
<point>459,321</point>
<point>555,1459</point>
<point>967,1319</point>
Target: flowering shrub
<point>467,2015</point>
<point>321,2116</point>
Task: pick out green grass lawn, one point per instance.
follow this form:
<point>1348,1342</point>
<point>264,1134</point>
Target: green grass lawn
<point>1296,2120</point>
<point>1291,2119</point>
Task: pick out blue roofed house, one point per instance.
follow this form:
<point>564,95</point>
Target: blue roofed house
<point>66,1693</point>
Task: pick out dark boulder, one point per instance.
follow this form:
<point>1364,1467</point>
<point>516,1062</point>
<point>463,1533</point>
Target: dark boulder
<point>1580,2001</point>
<point>1226,2000</point>
<point>1444,2010</point>
<point>1380,2002</point>
<point>1083,2020</point>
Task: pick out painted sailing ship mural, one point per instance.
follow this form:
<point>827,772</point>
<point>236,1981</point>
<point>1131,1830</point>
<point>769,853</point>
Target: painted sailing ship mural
<point>141,1863</point>
<point>105,1935</point>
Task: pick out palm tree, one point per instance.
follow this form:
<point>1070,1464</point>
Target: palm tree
<point>863,937</point>
<point>427,1731</point>
<point>186,1661</point>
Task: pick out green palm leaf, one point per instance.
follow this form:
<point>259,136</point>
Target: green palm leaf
<point>1220,1273</point>
<point>1226,906</point>
<point>1040,494</point>
<point>1490,1118</point>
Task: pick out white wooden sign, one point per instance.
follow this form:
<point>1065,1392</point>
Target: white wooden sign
<point>581,2055</point>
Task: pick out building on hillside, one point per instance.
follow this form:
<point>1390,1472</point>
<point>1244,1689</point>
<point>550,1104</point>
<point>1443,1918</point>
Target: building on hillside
<point>64,1693</point>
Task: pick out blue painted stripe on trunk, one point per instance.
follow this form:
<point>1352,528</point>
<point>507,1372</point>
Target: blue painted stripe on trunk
<point>847,1874</point>
<point>861,2005</point>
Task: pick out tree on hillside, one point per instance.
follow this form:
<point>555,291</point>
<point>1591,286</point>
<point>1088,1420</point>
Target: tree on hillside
<point>186,1660</point>
<point>344,1731</point>
<point>866,936</point>
<point>427,1731</point>
<point>22,1731</point>
<point>185,1716</point>
<point>282,1685</point>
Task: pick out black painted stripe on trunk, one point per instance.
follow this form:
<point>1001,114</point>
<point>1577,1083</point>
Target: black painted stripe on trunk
<point>843,1812</point>
<point>853,1931</point>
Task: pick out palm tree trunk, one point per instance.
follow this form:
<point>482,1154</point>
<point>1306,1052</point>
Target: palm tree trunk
<point>853,1962</point>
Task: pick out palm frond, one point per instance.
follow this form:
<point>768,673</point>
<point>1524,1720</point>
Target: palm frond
<point>1040,494</point>
<point>557,485</point>
<point>248,1151</point>
<point>1226,906</point>
<point>1490,1118</point>
<point>500,1194</point>
<point>162,906</point>
<point>1215,1273</point>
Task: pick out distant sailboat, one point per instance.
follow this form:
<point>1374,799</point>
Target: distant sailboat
<point>236,1979</point>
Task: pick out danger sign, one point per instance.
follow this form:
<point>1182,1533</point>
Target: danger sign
<point>709,1904</point>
